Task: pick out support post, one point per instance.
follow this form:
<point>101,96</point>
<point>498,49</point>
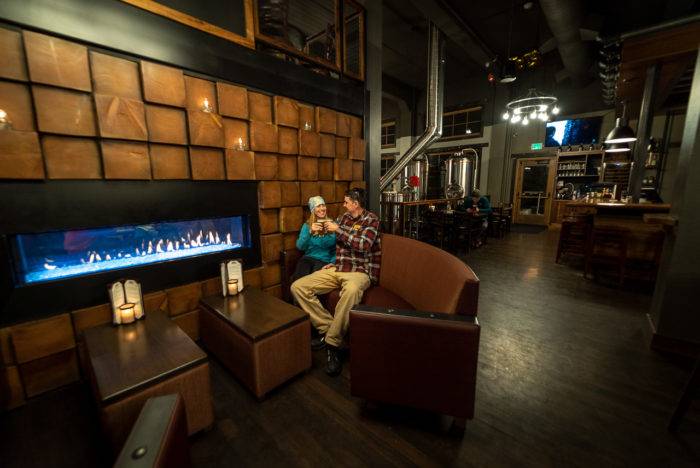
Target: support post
<point>373,102</point>
<point>646,115</point>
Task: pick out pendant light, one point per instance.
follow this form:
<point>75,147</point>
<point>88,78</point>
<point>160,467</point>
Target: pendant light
<point>622,133</point>
<point>616,147</point>
<point>508,69</point>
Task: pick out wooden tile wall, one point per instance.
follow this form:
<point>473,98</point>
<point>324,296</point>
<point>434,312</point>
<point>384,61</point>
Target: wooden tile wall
<point>85,114</point>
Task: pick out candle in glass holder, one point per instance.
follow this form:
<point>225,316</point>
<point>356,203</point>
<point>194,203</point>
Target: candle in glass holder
<point>232,287</point>
<point>126,312</point>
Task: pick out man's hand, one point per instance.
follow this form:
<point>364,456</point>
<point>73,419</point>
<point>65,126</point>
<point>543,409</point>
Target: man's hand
<point>330,265</point>
<point>330,226</point>
<point>316,228</point>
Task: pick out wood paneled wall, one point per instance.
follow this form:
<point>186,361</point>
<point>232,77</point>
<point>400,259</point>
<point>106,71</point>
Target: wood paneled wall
<point>81,113</point>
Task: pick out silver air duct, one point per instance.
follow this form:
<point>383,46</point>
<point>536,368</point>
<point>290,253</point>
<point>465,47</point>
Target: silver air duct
<point>435,88</point>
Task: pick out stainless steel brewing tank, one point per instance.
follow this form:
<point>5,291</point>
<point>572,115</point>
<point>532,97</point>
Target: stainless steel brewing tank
<point>459,177</point>
<point>415,171</point>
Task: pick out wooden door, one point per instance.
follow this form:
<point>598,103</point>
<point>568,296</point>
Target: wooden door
<point>534,183</point>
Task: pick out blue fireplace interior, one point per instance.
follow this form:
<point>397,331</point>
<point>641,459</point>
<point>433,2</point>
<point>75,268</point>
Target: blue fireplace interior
<point>65,254</point>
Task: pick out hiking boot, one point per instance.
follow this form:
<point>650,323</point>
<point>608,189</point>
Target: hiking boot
<point>318,342</point>
<point>334,366</point>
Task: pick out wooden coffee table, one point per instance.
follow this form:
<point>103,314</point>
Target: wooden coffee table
<point>262,340</point>
<point>130,363</point>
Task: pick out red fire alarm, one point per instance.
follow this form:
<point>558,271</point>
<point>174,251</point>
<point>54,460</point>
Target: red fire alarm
<point>414,181</point>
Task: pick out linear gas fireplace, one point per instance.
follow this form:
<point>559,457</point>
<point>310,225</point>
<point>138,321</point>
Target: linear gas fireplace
<point>63,242</point>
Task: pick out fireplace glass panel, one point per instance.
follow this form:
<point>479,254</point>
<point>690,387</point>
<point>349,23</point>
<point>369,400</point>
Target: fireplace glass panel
<point>55,255</point>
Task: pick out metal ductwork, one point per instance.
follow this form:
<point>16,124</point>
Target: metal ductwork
<point>435,91</point>
<point>564,20</point>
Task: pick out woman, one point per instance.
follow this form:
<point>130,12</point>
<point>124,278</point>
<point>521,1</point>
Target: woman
<point>317,244</point>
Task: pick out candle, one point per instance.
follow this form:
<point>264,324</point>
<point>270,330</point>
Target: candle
<point>241,147</point>
<point>232,287</point>
<point>126,312</point>
<point>205,105</point>
<point>307,126</point>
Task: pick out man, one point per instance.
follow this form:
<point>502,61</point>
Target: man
<point>357,258</point>
<point>478,206</point>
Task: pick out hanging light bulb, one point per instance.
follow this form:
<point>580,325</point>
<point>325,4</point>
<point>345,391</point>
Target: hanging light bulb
<point>555,110</point>
<point>543,116</point>
<point>525,121</point>
<point>515,119</point>
<point>533,114</point>
<point>506,116</point>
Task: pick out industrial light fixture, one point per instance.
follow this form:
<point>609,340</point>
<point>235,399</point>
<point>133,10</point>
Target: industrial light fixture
<point>617,148</point>
<point>622,133</point>
<point>532,106</point>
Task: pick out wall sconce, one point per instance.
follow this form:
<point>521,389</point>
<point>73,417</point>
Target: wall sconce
<point>240,146</point>
<point>307,126</point>
<point>206,107</point>
<point>5,123</point>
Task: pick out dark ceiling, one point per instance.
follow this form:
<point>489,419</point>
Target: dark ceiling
<point>405,27</point>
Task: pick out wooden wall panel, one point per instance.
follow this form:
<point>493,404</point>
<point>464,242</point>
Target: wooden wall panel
<point>271,274</point>
<point>356,127</point>
<point>64,112</point>
<point>269,221</point>
<point>125,160</point>
<point>12,60</point>
<point>340,189</point>
<point>252,278</point>
<point>115,76</point>
<point>236,134</point>
<point>12,391</point>
<point>342,125</point>
<point>341,148</point>
<point>197,90</point>
<point>170,162</point>
<point>308,190</point>
<point>289,239</point>
<point>307,118</point>
<point>309,143</point>
<point>270,247</point>
<point>41,338</point>
<point>166,125</point>
<point>51,372</point>
<point>356,149</point>
<point>265,166</point>
<point>260,107</point>
<point>287,167</point>
<point>189,323</point>
<point>291,218</point>
<point>325,169</point>
<point>207,164</point>
<point>325,120</point>
<point>290,193</point>
<point>57,62</point>
<point>288,140</point>
<point>342,169</point>
<point>91,317</point>
<point>240,165</point>
<point>183,298</point>
<point>358,170</point>
<point>358,184</point>
<point>307,168</point>
<point>163,85</point>
<point>7,356</point>
<point>205,128</point>
<point>233,100</point>
<point>263,137</point>
<point>71,158</point>
<point>327,146</point>
<point>211,287</point>
<point>157,300</point>
<point>327,191</point>
<point>269,194</point>
<point>16,101</point>
<point>286,112</point>
<point>20,155</point>
<point>119,117</point>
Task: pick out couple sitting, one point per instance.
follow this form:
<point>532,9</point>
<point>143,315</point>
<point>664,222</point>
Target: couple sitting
<point>344,254</point>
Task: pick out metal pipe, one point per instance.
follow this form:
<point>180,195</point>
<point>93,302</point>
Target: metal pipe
<point>435,91</point>
<point>651,29</point>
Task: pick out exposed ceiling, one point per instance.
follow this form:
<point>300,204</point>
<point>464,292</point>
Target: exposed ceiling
<point>485,25</point>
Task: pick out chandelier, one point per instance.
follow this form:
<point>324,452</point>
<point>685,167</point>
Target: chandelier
<point>532,106</point>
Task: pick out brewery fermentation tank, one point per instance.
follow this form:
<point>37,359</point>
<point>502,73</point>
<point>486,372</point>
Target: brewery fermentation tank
<point>414,181</point>
<point>459,177</point>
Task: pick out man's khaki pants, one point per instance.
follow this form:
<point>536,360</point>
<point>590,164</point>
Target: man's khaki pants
<point>306,290</point>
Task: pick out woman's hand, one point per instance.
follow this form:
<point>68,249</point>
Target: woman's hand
<point>330,226</point>
<point>316,228</point>
<point>330,265</point>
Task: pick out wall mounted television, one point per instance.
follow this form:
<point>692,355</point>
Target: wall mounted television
<point>581,131</point>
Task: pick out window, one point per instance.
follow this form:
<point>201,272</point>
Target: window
<point>462,123</point>
<point>387,161</point>
<point>389,134</point>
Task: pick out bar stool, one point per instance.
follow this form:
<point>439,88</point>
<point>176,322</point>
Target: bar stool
<point>573,237</point>
<point>607,246</point>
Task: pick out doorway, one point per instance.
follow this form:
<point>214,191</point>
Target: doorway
<point>533,190</point>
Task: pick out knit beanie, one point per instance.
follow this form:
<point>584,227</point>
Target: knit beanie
<point>315,201</point>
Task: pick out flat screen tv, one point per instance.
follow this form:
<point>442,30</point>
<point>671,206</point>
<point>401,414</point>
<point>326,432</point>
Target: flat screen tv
<point>582,131</point>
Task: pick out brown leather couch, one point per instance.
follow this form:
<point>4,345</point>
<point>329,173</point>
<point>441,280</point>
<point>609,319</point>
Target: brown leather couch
<point>414,339</point>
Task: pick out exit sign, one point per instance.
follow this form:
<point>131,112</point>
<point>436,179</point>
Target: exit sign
<point>536,146</point>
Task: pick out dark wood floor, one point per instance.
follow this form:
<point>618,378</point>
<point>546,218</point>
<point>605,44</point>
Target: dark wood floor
<point>565,378</point>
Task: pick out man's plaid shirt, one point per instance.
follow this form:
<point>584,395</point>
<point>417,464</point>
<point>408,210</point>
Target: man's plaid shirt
<point>358,246</point>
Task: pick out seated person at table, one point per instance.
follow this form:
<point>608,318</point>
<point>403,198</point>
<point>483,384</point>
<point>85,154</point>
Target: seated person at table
<point>476,204</point>
<point>315,241</point>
